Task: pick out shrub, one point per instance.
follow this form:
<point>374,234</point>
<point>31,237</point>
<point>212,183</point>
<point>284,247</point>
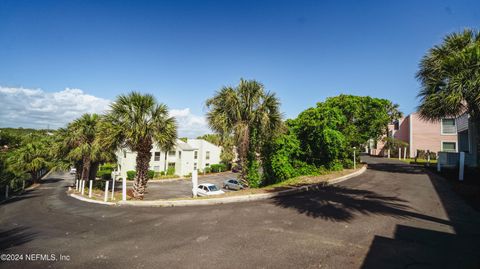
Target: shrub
<point>107,167</point>
<point>207,170</point>
<point>131,174</point>
<point>218,167</point>
<point>104,174</point>
<point>347,163</point>
<point>170,171</point>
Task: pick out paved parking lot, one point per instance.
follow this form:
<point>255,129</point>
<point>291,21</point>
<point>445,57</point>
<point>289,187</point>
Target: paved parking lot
<point>183,188</point>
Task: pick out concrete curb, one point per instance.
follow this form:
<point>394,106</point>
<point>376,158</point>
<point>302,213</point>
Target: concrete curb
<point>223,200</point>
<point>239,199</point>
<point>81,198</point>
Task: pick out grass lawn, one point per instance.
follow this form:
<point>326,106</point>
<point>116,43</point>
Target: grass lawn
<point>419,161</point>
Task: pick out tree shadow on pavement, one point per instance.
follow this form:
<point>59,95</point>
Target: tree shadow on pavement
<point>396,167</point>
<point>19,197</point>
<point>15,237</point>
<point>414,247</point>
<point>337,203</point>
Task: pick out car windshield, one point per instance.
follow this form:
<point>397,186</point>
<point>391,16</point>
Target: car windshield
<point>213,188</point>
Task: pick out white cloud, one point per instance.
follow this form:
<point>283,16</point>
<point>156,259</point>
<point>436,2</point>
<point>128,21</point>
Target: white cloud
<point>190,125</point>
<point>35,108</point>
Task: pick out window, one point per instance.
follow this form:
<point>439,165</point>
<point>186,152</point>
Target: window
<point>448,126</point>
<point>396,125</point>
<point>449,146</point>
<point>156,156</point>
<point>207,164</point>
<point>195,155</point>
<point>124,154</point>
<point>207,155</point>
<point>171,153</point>
<point>171,165</point>
<point>195,166</point>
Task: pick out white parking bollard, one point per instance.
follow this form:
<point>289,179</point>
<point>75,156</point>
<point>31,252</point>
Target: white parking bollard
<point>106,192</point>
<point>83,187</point>
<point>194,182</point>
<point>405,153</point>
<point>354,159</point>
<point>6,192</point>
<point>90,188</point>
<point>124,189</point>
<point>113,189</point>
<point>399,153</point>
<point>462,166</point>
<point>76,185</point>
<point>388,154</point>
<point>23,186</point>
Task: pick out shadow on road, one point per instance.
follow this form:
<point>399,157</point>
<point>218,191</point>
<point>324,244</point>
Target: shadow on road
<point>413,247</point>
<point>338,203</point>
<point>403,168</point>
<point>15,237</point>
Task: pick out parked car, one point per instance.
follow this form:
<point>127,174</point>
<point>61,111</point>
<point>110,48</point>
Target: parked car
<point>207,189</point>
<point>232,184</point>
<point>73,171</point>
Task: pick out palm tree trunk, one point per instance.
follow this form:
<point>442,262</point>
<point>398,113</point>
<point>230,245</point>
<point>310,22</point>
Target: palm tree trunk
<point>143,163</point>
<point>86,168</point>
<point>93,170</point>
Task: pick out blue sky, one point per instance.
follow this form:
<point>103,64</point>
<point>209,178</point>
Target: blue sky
<point>182,51</point>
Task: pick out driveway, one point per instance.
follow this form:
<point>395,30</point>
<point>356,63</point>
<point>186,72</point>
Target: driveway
<point>392,216</point>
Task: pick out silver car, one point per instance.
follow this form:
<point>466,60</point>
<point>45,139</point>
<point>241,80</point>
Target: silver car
<point>232,184</point>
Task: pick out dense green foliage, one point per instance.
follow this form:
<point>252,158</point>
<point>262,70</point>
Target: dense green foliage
<point>323,137</point>
<point>218,167</point>
<point>132,173</point>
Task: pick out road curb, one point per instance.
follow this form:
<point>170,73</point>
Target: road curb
<point>223,200</point>
<point>85,199</point>
<point>239,199</point>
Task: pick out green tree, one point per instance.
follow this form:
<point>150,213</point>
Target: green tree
<point>450,78</point>
<point>29,159</point>
<point>137,121</point>
<point>251,115</point>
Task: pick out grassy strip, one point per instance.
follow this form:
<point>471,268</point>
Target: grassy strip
<point>419,161</point>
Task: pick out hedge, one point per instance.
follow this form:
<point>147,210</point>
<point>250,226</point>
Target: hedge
<point>131,174</point>
<point>218,167</point>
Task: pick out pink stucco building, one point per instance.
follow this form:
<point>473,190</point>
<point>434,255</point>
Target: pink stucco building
<point>423,135</point>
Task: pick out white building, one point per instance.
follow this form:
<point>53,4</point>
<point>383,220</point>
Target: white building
<point>184,157</point>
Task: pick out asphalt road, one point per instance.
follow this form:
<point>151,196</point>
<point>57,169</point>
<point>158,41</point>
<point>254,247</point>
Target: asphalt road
<point>392,216</point>
<point>183,187</point>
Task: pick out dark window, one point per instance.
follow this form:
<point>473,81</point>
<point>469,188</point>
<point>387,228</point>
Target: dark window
<point>156,156</point>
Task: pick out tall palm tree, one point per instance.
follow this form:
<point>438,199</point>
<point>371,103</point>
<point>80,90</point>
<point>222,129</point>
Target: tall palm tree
<point>450,78</point>
<point>80,138</point>
<point>137,121</point>
<point>248,112</point>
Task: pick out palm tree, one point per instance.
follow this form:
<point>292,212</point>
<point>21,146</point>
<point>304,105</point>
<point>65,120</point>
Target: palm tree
<point>30,158</point>
<point>249,113</point>
<point>450,78</point>
<point>80,139</point>
<point>137,121</point>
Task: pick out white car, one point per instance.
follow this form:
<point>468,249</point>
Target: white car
<point>73,171</point>
<point>207,189</point>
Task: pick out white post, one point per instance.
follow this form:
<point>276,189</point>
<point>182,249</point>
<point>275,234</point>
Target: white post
<point>76,185</point>
<point>124,189</point>
<point>6,191</point>
<point>405,153</point>
<point>354,159</point>
<point>388,153</point>
<point>113,188</point>
<point>194,182</point>
<point>399,153</point>
<point>428,159</point>
<point>462,166</point>
<point>23,186</point>
<point>106,191</point>
<point>90,188</point>
<point>83,186</point>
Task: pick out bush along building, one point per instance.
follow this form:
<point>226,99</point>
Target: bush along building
<point>194,154</point>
